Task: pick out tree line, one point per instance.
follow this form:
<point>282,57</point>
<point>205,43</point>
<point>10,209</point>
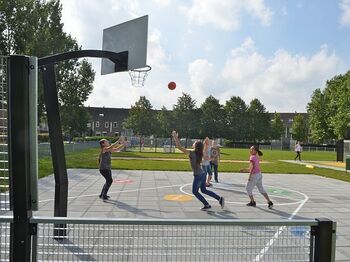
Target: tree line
<point>235,120</point>
<point>34,28</point>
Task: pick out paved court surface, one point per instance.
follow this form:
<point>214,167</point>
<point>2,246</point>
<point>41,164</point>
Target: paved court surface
<point>162,194</point>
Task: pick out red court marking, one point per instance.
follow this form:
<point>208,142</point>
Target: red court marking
<point>123,181</point>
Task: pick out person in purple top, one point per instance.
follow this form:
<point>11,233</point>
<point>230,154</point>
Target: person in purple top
<point>255,177</point>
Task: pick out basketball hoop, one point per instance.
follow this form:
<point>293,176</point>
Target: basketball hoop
<point>138,76</point>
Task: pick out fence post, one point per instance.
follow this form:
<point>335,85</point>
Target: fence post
<point>324,234</point>
<point>19,157</point>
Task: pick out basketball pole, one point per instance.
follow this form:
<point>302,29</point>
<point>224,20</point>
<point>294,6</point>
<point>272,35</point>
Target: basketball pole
<point>47,66</point>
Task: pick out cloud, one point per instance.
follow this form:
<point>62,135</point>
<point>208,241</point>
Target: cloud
<point>258,9</point>
<point>162,3</point>
<point>227,14</point>
<point>344,6</point>
<point>86,20</point>
<point>157,56</point>
<point>283,81</point>
<point>202,77</point>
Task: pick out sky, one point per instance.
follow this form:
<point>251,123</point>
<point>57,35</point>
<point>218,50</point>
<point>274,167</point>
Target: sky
<point>278,51</point>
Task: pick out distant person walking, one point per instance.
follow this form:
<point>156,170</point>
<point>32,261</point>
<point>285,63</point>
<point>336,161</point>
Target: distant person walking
<point>215,158</point>
<point>199,176</point>
<point>104,162</point>
<point>298,148</point>
<point>255,177</point>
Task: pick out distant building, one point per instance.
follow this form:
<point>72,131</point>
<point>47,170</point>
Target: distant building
<point>108,121</point>
<point>287,119</point>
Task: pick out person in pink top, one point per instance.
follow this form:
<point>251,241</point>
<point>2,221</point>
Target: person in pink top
<point>255,177</point>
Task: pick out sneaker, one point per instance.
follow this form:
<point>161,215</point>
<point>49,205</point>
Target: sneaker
<point>206,207</point>
<point>106,197</point>
<point>216,181</point>
<point>251,204</point>
<point>270,205</point>
<point>222,202</point>
<point>208,184</point>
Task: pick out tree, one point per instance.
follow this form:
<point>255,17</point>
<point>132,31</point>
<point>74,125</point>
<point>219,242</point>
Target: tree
<point>318,116</point>
<point>141,118</point>
<point>212,119</point>
<point>236,120</point>
<point>186,116</point>
<point>74,120</point>
<point>73,113</point>
<point>258,121</point>
<point>164,122</point>
<point>34,27</point>
<point>329,110</point>
<point>299,128</point>
<point>337,92</point>
<point>277,127</point>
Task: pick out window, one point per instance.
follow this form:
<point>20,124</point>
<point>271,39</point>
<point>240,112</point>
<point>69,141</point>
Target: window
<point>115,124</point>
<point>97,124</point>
<point>106,124</point>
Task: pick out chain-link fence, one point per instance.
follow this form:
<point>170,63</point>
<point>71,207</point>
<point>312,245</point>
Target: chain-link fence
<point>4,172</point>
<point>169,240</point>
<point>44,149</point>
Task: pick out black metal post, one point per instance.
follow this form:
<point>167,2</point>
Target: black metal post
<point>19,159</point>
<point>340,150</point>
<point>324,240</point>
<point>57,146</point>
<point>53,117</point>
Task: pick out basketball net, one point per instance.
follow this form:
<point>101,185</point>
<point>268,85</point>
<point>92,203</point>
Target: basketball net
<point>138,76</point>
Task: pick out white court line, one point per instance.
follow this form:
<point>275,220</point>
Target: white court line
<point>279,231</point>
<point>297,201</point>
<point>122,191</point>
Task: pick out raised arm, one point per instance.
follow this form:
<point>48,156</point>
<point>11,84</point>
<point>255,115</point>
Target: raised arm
<point>178,145</point>
<point>117,145</point>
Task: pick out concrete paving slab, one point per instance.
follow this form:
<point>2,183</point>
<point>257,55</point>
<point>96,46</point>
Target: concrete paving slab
<point>142,195</point>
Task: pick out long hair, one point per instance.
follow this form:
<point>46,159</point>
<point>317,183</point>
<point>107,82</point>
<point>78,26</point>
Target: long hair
<point>198,149</point>
<point>101,145</point>
<point>257,150</point>
<point>101,142</point>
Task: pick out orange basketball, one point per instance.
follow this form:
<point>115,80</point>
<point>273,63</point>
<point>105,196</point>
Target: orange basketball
<point>172,85</point>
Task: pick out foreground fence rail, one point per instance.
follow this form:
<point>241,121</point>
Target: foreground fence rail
<point>171,240</point>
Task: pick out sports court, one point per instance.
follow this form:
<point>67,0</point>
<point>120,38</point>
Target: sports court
<point>167,195</point>
<point>151,215</point>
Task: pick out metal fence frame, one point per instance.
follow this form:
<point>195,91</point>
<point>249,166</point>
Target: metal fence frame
<point>321,249</point>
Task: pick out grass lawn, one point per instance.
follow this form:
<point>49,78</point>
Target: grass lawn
<point>88,159</point>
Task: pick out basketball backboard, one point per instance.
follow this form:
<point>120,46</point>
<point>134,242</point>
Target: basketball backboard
<point>129,36</point>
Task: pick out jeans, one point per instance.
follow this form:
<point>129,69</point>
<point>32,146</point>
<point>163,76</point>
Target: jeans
<point>107,174</point>
<point>207,170</point>
<point>298,156</point>
<point>215,167</point>
<point>199,183</point>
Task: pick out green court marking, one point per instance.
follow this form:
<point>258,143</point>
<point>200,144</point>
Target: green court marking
<point>278,191</point>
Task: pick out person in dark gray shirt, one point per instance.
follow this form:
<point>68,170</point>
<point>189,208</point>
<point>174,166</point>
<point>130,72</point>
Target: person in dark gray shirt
<point>104,162</point>
<point>199,176</point>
